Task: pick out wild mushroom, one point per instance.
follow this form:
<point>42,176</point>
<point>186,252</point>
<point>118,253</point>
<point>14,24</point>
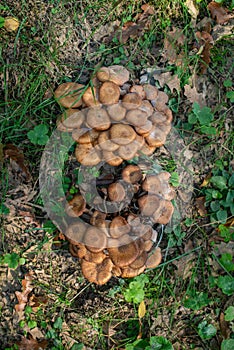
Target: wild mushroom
<point>69,95</point>
<point>122,134</point>
<point>116,111</point>
<point>124,255</point>
<point>160,101</point>
<point>116,192</point>
<point>132,174</point>
<point>128,151</point>
<point>148,204</point>
<point>151,91</point>
<point>166,213</point>
<point>96,258</point>
<point>76,231</point>
<point>144,130</point>
<point>131,100</point>
<point>95,239</point>
<point>116,74</point>
<point>147,107</point>
<point>147,150</point>
<point>128,272</point>
<point>111,158</point>
<point>139,261</point>
<point>76,206</point>
<point>105,143</point>
<point>90,97</point>
<point>72,118</point>
<point>136,117</point>
<point>97,273</point>
<point>159,184</point>
<point>109,93</point>
<point>98,118</point>
<point>77,250</point>
<point>118,227</point>
<point>88,137</point>
<point>158,134</point>
<point>139,90</point>
<point>154,259</point>
<point>87,155</point>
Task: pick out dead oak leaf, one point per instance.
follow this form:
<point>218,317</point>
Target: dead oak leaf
<point>173,47</point>
<point>219,13</point>
<point>23,297</point>
<point>200,204</point>
<point>204,43</point>
<point>172,81</point>
<point>16,156</point>
<point>193,95</point>
<point>32,344</point>
<point>186,262</point>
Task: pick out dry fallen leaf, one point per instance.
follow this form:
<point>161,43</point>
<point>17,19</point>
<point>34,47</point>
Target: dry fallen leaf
<point>193,95</point>
<point>23,297</point>
<point>11,24</point>
<point>200,204</point>
<point>204,44</point>
<point>185,263</point>
<point>16,156</point>
<point>219,13</point>
<point>206,180</point>
<point>173,47</point>
<point>172,81</point>
<point>32,344</point>
<point>141,309</point>
<point>192,8</point>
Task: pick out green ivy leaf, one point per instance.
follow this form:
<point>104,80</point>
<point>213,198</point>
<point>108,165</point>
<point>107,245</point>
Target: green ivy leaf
<point>12,260</point>
<point>226,283</point>
<point>227,83</point>
<point>159,343</point>
<point>226,261</point>
<point>32,324</point>
<point>38,135</point>
<point>227,344</point>
<point>222,216</point>
<point>230,95</point>
<point>215,206</point>
<point>206,331</point>
<point>229,314</point>
<point>208,130</point>
<point>219,181</point>
<point>58,323</point>
<point>204,114</point>
<point>196,300</point>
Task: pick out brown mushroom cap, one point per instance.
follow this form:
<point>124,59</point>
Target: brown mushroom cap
<point>136,117</point>
<point>117,74</point>
<point>90,97</point>
<point>60,125</point>
<point>76,231</point>
<point>128,272</point>
<point>147,149</point>
<point>95,239</point>
<point>157,137</point>
<point>97,217</point>
<point>139,90</point>
<point>69,94</point>
<point>131,100</point>
<point>160,101</point>
<point>158,184</point>
<point>118,227</point>
<point>139,261</point>
<point>98,118</point>
<point>86,154</point>
<point>122,134</point>
<point>144,129</point>
<point>151,91</point>
<point>111,158</point>
<point>124,255</point>
<point>154,259</point>
<point>128,151</point>
<point>116,111</point>
<point>105,142</point>
<point>166,213</point>
<point>72,118</point>
<point>116,192</point>
<point>109,93</point>
<point>159,118</point>
<point>76,206</point>
<point>148,204</point>
<point>132,174</point>
<point>77,250</point>
<point>77,133</point>
<point>147,107</point>
<point>96,258</point>
<point>89,136</point>
<point>97,273</point>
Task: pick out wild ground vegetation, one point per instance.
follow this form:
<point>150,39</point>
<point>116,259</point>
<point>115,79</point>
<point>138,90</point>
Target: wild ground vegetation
<point>186,49</point>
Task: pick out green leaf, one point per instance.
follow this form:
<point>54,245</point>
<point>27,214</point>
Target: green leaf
<point>159,343</point>
<point>138,344</point>
<point>58,323</point>
<point>208,130</point>
<point>227,83</point>
<point>4,210</point>
<point>214,205</point>
<point>227,344</point>
<point>174,179</point>
<point>192,118</point>
<point>229,314</point>
<point>206,331</point>
<point>204,114</point>
<point>222,216</point>
<point>12,260</point>
<point>32,324</point>
<point>226,261</point>
<point>38,135</point>
<point>196,300</point>
<point>77,346</point>
<point>226,283</point>
<point>2,22</point>
<point>231,181</point>
<point>219,181</point>
<point>230,95</point>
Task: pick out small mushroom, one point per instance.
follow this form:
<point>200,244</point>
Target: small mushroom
<point>131,100</point>
<point>118,227</point>
<point>154,259</point>
<point>124,255</point>
<point>97,217</point>
<point>105,143</point>
<point>116,192</point>
<point>76,231</point>
<point>117,74</point>
<point>69,95</point>
<point>128,151</point>
<point>151,91</point>
<point>122,134</point>
<point>86,154</point>
<point>89,136</point>
<point>166,213</point>
<point>157,136</point>
<point>147,107</point>
<point>139,90</point>
<point>160,101</point>
<point>109,93</point>
<point>73,118</point>
<point>97,273</point>
<point>90,97</point>
<point>98,118</point>
<point>147,149</point>
<point>132,174</point>
<point>139,261</point>
<point>111,158</point>
<point>128,272</point>
<point>136,117</point>
<point>77,133</point>
<point>144,129</point>
<point>96,258</point>
<point>116,111</point>
<point>148,204</point>
<point>158,184</point>
<point>95,239</point>
<point>76,206</point>
<point>77,250</point>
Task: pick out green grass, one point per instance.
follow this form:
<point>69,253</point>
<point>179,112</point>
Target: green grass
<point>58,41</point>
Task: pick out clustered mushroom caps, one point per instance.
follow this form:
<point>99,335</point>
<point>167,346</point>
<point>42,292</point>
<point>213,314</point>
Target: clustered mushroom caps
<point>115,122</point>
<point>121,244</point>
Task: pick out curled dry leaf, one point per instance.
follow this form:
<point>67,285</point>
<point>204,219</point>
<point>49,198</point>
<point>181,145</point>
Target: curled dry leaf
<point>193,95</point>
<point>15,155</point>
<point>173,47</point>
<point>32,344</point>
<point>172,81</point>
<point>11,24</point>
<point>23,297</point>
<point>219,13</point>
<point>200,204</point>
<point>204,44</point>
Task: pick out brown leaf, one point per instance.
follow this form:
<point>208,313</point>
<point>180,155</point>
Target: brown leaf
<point>16,156</point>
<point>172,81</point>
<point>192,8</point>
<point>185,263</point>
<point>200,204</point>
<point>31,344</point>
<point>173,47</point>
<point>23,296</point>
<point>193,95</point>
<point>224,327</point>
<point>36,301</point>
<point>219,13</point>
<point>206,180</point>
<point>203,44</point>
<point>11,24</point>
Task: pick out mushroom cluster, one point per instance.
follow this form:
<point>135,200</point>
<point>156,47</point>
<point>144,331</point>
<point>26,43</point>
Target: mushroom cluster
<point>121,244</point>
<point>113,121</point>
